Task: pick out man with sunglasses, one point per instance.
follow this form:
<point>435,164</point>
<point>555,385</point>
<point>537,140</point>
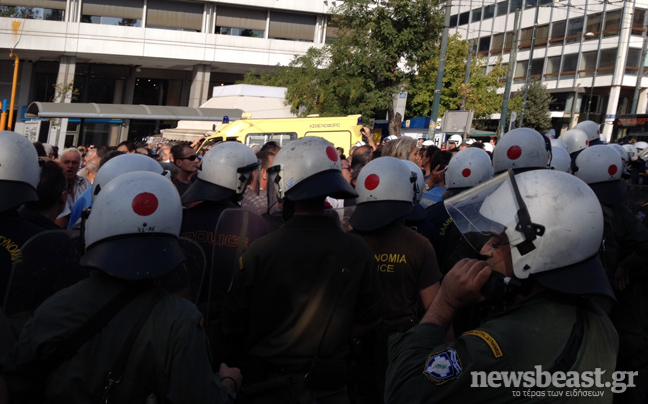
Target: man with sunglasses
<point>186,159</point>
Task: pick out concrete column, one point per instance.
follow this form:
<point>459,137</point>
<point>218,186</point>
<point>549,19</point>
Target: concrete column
<point>199,91</point>
<point>67,66</point>
<point>642,104</point>
<point>610,113</point>
<point>127,95</point>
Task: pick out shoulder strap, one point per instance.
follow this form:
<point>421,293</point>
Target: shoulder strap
<point>568,356</point>
<point>115,375</point>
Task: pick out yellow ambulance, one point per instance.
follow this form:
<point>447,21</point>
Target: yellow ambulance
<point>343,131</point>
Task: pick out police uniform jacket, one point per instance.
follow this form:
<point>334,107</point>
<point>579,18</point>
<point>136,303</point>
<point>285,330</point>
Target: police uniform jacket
<point>169,357</point>
<point>291,283</point>
<point>424,369</point>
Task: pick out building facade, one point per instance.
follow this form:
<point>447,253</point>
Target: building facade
<point>588,54</point>
<point>153,52</point>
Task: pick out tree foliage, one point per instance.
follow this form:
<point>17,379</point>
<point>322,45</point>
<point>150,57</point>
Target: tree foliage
<point>480,92</point>
<point>17,12</point>
<point>537,114</point>
<point>380,47</point>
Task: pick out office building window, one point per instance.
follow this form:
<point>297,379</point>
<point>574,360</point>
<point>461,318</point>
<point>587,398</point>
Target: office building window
<point>612,23</point>
<point>587,64</point>
<point>557,33</point>
<point>520,71</point>
<point>537,65</point>
<point>515,4</point>
<point>489,11</point>
<point>464,18</point>
<point>502,8</point>
<point>570,62</point>
<point>331,31</point>
<point>508,41</point>
<point>178,15</point>
<point>525,37</point>
<point>553,67</point>
<point>632,64</point>
<point>477,15</point>
<point>607,61</point>
<point>560,102</point>
<point>542,35</point>
<point>453,20</point>
<point>575,30</point>
<point>292,27</point>
<point>497,43</point>
<point>51,10</point>
<point>546,2</point>
<point>593,26</point>
<point>117,12</point>
<point>244,22</point>
<point>484,44</point>
<point>637,21</point>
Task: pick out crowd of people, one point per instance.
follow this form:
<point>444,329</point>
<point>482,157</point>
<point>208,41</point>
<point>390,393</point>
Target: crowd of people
<point>401,272</point>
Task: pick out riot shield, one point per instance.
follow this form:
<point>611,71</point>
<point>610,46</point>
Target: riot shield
<point>235,230</point>
<point>195,265</point>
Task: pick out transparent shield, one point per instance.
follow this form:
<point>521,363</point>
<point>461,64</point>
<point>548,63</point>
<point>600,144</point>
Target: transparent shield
<point>464,209</point>
<point>274,202</point>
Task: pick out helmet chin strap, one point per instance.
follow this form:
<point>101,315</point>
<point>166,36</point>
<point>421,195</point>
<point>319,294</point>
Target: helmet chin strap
<point>525,226</point>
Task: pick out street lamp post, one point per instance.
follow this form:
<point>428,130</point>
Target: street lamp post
<point>440,70</point>
<point>528,73</point>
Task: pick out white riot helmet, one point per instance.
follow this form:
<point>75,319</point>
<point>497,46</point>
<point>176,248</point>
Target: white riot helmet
<point>641,145</point>
<point>307,168</point>
<point>419,185</point>
<point>122,164</point>
<point>552,221</point>
<point>457,139</point>
<point>560,159</point>
<point>468,168</point>
<point>225,171</point>
<point>601,167</point>
<point>19,170</point>
<point>385,193</point>
<point>558,143</point>
<point>521,148</point>
<point>633,153</point>
<point>622,152</point>
<point>133,230</point>
<point>576,140</point>
<point>593,131</point>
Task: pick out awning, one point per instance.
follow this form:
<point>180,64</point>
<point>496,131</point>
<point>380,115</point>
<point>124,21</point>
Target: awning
<point>124,111</point>
<point>481,133</point>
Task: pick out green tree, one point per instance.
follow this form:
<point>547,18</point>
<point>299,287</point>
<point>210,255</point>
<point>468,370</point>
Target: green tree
<point>380,47</point>
<point>480,93</point>
<point>537,114</point>
<point>17,12</point>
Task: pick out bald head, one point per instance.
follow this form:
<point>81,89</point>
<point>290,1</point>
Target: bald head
<point>92,166</point>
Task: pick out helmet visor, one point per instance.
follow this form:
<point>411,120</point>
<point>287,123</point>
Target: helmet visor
<point>274,184</point>
<point>464,209</point>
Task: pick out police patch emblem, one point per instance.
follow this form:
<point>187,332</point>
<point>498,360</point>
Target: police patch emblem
<point>442,366</point>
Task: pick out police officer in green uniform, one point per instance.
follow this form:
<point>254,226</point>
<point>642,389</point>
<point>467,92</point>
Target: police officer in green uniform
<point>543,229</point>
<point>624,252</point>
<point>19,177</point>
<point>407,263</point>
<point>304,290</point>
<point>118,337</point>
